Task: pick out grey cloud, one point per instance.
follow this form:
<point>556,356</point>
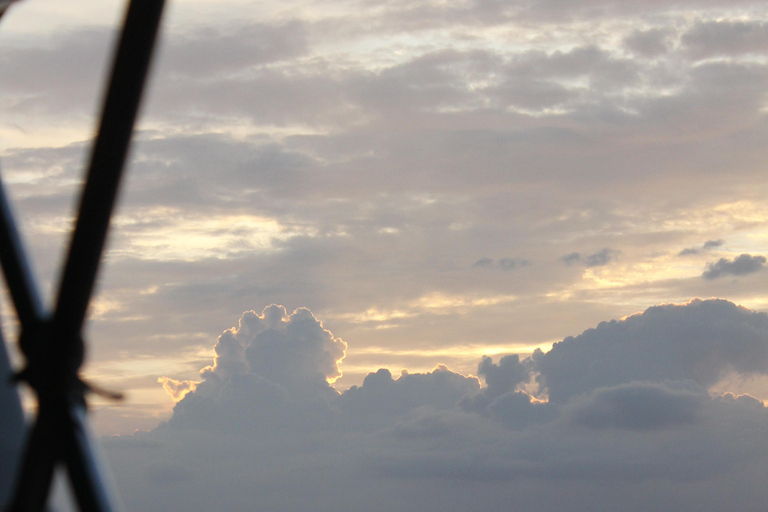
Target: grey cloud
<point>60,76</point>
<point>639,406</point>
<point>711,244</point>
<point>726,38</point>
<point>571,258</point>
<point>743,264</point>
<point>500,398</point>
<point>708,245</point>
<point>210,51</point>
<point>698,342</point>
<point>503,376</point>
<point>502,263</point>
<point>516,410</point>
<point>512,263</point>
<point>271,362</point>
<point>483,263</point>
<point>416,435</point>
<point>380,395</point>
<point>649,43</point>
<point>601,258</point>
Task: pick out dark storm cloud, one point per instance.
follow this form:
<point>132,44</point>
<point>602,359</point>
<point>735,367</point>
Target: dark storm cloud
<point>743,264</point>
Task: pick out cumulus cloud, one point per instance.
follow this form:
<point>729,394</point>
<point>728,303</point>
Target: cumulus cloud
<point>291,441</point>
<point>176,388</point>
<point>273,361</point>
<point>699,341</point>
<point>741,265</point>
<point>382,397</point>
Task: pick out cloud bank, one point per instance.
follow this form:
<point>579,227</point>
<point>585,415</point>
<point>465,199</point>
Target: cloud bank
<point>625,403</point>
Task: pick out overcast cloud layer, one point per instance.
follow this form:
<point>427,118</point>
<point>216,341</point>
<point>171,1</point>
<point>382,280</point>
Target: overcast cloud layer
<point>442,183</point>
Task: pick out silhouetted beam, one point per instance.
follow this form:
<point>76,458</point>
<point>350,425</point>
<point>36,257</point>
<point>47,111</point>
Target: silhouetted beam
<point>15,268</point>
<point>107,159</point>
<point>56,347</point>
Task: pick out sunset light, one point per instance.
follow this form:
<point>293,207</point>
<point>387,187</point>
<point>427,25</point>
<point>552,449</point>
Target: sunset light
<point>410,255</point>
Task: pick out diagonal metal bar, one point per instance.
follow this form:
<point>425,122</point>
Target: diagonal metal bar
<point>109,152</point>
<point>17,273</point>
<point>34,479</point>
<point>12,429</point>
<point>60,434</point>
<point>89,481</point>
<point>55,345</point>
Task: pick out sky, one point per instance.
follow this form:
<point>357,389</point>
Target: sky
<point>387,254</point>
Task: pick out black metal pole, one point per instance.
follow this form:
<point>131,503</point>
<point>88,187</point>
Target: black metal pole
<point>109,152</point>
<point>17,273</point>
<point>56,349</point>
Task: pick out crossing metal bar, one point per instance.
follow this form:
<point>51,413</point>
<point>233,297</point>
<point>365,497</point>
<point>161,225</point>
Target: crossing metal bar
<point>18,275</point>
<point>53,346</point>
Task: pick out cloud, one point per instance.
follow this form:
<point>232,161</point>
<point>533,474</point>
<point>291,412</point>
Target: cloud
<point>649,43</point>
<point>470,129</point>
<point>212,52</point>
<point>725,38</point>
<point>288,349</point>
<point>699,341</point>
<point>483,263</point>
<point>708,245</point>
<point>628,405</point>
<point>598,259</point>
<point>601,258</point>
<point>571,258</point>
<point>382,397</point>
<point>712,244</point>
<point>502,263</point>
<point>639,406</point>
<point>177,389</point>
<point>739,266</point>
